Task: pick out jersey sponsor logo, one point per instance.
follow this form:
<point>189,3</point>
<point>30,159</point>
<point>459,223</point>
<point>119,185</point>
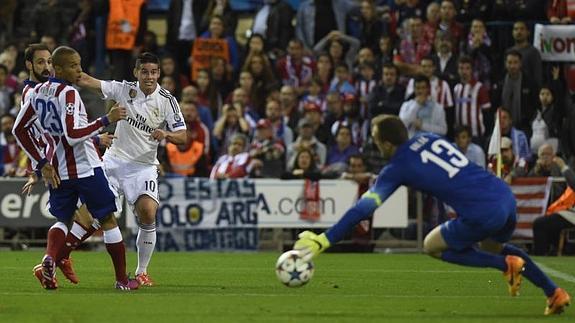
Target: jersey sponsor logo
<point>139,125</point>
<point>70,108</point>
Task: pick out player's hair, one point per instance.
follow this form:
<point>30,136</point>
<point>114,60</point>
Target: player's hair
<point>32,49</point>
<point>61,54</point>
<point>390,128</point>
<point>147,57</point>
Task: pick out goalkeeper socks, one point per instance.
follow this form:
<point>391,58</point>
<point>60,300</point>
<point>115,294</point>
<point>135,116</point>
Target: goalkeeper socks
<point>146,242</point>
<point>117,251</point>
<point>532,272</point>
<point>75,237</point>
<point>474,258</point>
<point>56,239</point>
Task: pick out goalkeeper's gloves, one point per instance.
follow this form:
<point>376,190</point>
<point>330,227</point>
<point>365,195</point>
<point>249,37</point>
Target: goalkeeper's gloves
<point>311,244</point>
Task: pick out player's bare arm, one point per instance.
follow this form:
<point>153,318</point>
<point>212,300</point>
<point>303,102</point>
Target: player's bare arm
<point>176,137</point>
<point>89,82</point>
<point>117,113</point>
<point>105,139</point>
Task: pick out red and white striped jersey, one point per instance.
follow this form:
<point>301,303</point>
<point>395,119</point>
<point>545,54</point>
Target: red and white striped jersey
<point>470,99</point>
<point>62,115</point>
<point>440,91</point>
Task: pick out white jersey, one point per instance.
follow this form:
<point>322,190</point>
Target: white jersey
<point>145,114</point>
<point>61,114</point>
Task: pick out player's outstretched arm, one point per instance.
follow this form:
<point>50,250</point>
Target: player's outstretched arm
<point>89,82</point>
<point>178,137</point>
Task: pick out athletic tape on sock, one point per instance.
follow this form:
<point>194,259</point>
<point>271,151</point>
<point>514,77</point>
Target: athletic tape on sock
<point>78,231</point>
<point>113,235</point>
<point>60,225</point>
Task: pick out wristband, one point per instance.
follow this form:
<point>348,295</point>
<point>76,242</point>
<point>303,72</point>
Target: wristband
<point>41,164</point>
<point>105,121</point>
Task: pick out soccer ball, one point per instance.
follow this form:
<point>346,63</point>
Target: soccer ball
<point>292,270</point>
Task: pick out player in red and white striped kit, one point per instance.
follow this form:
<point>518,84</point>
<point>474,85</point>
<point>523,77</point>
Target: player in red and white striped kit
<point>75,169</point>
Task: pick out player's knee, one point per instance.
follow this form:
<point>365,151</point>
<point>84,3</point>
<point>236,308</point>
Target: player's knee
<point>149,227</point>
<point>431,248</point>
<point>109,222</point>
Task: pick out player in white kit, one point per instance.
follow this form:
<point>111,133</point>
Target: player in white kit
<point>131,162</point>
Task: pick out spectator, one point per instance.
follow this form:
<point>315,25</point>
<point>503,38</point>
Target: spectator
<point>127,24</point>
<point>169,83</point>
<point>431,22</point>
<point>170,67</point>
<point>14,160</point>
<point>266,152</point>
<point>317,18</point>
<point>217,30</point>
<point>304,166</point>
<point>413,48</point>
<point>296,69</point>
<point>255,99</point>
<point>289,106</point>
<point>274,21</point>
<point>324,71</point>
<point>351,119</point>
<point>387,96</point>
<point>422,113</point>
<point>190,95</point>
<point>221,8</point>
<point>364,85</point>
<point>234,164</point>
<point>468,10</point>
<point>8,59</point>
<point>445,58</point>
<point>47,18</point>
<point>549,114</point>
<point>240,101</point>
<point>518,138</point>
<point>306,140</point>
<point>341,82</point>
<point>447,20</point>
<point>280,129</point>
<point>440,90</point>
<point>183,26</point>
<point>545,165</point>
<point>5,91</point>
<point>229,124</point>
<point>314,95</point>
<point>471,101</point>
<point>50,41</point>
<point>341,150</point>
<point>530,56</point>
<point>367,26</point>
<point>208,96</point>
<point>314,114</point>
<point>512,164</point>
<point>478,47</point>
<point>516,92</point>
<point>559,216</point>
<point>385,51</point>
<point>410,9</point>
<point>264,79</point>
<point>472,151</point>
<point>190,159</point>
<point>342,48</point>
<point>558,12</point>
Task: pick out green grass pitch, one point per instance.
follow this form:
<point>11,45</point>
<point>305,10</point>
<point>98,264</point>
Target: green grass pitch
<point>242,287</point>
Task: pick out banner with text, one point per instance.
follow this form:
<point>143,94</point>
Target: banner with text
<point>555,43</point>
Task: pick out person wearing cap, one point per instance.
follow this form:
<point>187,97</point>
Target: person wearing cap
<point>306,140</point>
<point>312,112</point>
<point>266,152</point>
<point>512,165</point>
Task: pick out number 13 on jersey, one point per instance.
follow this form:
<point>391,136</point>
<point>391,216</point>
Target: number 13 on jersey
<point>446,156</point>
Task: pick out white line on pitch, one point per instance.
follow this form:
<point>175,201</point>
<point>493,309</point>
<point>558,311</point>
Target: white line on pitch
<point>557,273</point>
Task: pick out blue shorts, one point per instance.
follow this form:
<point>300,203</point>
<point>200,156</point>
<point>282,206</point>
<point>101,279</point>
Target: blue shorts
<point>498,225</point>
<point>94,191</point>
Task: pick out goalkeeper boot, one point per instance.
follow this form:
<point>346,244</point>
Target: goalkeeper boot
<point>65,266</point>
<point>49,273</point>
<point>515,267</point>
<point>144,279</point>
<point>130,284</point>
<point>557,302</point>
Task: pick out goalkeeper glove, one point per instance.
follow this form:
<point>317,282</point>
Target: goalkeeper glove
<point>311,244</point>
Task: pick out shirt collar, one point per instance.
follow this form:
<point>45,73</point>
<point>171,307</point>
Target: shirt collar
<point>55,80</point>
<point>30,83</point>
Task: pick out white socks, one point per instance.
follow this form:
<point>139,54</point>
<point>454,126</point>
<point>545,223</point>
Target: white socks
<point>146,242</point>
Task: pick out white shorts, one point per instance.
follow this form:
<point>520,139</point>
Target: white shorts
<point>131,180</point>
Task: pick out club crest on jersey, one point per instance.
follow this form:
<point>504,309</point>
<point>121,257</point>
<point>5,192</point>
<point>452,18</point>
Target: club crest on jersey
<point>70,108</point>
<point>132,93</point>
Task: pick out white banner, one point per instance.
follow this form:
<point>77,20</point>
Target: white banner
<point>200,203</point>
<point>555,43</point>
